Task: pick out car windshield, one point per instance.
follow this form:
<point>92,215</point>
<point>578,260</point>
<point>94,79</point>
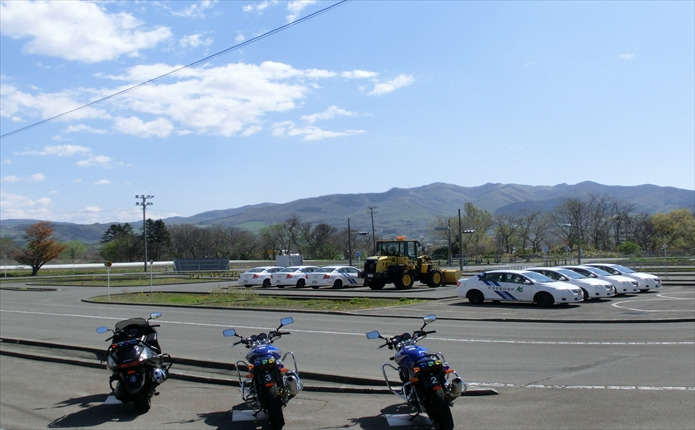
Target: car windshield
<point>597,271</point>
<point>624,269</point>
<point>571,274</point>
<point>324,270</point>
<point>257,269</point>
<point>538,277</point>
<point>275,269</point>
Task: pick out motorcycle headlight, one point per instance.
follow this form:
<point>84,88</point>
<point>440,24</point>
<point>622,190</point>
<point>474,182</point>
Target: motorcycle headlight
<point>111,363</point>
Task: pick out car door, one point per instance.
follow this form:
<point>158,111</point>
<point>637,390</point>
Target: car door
<point>352,276</point>
<point>510,287</point>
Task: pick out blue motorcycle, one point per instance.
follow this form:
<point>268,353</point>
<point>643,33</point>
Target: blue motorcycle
<point>428,384</point>
<point>268,385</point>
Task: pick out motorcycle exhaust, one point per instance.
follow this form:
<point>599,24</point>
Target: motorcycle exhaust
<point>456,387</point>
<point>292,385</point>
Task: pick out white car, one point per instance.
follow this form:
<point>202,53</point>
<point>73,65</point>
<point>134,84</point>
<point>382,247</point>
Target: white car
<point>335,277</point>
<point>519,286</point>
<point>592,288</point>
<point>258,276</point>
<point>294,276</point>
<point>645,281</point>
<point>623,285</point>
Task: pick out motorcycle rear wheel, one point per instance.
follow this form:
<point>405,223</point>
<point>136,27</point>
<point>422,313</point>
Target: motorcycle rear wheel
<point>440,413</point>
<point>273,404</point>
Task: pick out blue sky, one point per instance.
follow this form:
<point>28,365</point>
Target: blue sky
<point>367,96</point>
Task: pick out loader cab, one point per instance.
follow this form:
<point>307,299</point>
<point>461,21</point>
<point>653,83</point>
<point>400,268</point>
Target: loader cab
<point>398,248</point>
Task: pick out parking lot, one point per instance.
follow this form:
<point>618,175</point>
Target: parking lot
<point>624,362</point>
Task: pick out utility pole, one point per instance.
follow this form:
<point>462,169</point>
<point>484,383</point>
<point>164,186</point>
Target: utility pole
<point>371,213</point>
<point>144,205</point>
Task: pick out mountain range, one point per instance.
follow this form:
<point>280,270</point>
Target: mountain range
<point>403,211</point>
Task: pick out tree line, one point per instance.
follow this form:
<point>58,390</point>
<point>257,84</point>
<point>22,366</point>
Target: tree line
<point>597,223</point>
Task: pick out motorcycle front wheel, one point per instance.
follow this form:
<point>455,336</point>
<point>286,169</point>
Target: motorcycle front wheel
<point>439,412</point>
<point>273,405</point>
<point>143,401</point>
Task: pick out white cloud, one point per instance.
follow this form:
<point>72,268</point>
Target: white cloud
<point>102,182</point>
<point>258,6</point>
<point>295,8</point>
<point>329,113</point>
<point>61,151</point>
<point>289,129</point>
<point>18,206</point>
<point>358,74</point>
<point>194,41</point>
<point>197,9</point>
<point>626,57</point>
<point>97,161</point>
<point>84,128</point>
<point>159,127</point>
<point>77,30</point>
<point>19,105</point>
<point>35,177</point>
<point>394,84</point>
<point>10,179</point>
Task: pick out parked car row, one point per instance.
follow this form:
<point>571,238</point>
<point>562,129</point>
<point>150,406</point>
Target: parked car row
<point>302,276</point>
<point>547,286</point>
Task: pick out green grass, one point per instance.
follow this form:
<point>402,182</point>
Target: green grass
<point>250,300</point>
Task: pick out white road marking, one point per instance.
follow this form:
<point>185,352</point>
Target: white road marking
<point>330,332</point>
<point>579,387</point>
<point>661,298</point>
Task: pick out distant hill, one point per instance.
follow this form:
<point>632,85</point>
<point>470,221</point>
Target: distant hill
<point>411,212</point>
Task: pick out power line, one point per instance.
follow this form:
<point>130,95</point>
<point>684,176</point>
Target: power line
<point>217,54</point>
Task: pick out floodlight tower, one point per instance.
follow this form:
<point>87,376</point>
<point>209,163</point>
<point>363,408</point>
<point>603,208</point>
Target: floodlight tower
<point>144,203</point>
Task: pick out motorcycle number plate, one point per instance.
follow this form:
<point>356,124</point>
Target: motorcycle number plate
<point>370,275</point>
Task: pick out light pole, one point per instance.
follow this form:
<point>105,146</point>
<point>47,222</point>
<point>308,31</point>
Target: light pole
<point>371,213</point>
<point>144,204</point>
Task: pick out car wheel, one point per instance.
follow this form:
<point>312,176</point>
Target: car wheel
<point>338,284</point>
<point>301,283</point>
<point>544,299</point>
<point>586,294</point>
<point>266,283</point>
<point>475,297</point>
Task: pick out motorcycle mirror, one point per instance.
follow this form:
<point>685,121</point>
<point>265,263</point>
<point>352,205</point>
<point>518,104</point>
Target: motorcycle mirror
<point>373,335</point>
<point>286,321</point>
<point>155,315</point>
<point>429,318</point>
<point>229,332</point>
<point>102,329</point>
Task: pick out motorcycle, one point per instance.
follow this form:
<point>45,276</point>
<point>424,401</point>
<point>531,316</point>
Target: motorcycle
<point>136,361</point>
<point>269,385</point>
<point>428,383</point>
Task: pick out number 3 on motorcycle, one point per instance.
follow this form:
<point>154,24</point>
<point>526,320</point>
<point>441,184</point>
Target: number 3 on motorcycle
<point>268,377</point>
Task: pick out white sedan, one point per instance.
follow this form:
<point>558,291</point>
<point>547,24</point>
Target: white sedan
<point>294,276</point>
<point>622,284</point>
<point>592,288</point>
<point>645,281</point>
<point>258,276</point>
<point>519,286</point>
<point>335,276</point>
